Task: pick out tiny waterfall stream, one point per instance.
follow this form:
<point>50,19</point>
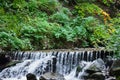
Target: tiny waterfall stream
<point>40,62</point>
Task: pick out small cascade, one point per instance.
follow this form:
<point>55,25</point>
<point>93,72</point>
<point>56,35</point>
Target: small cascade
<point>40,62</point>
<point>37,67</point>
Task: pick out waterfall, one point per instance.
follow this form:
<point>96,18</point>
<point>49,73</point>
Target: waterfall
<point>40,62</point>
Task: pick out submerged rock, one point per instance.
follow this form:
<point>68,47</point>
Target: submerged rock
<point>51,76</point>
<point>31,76</point>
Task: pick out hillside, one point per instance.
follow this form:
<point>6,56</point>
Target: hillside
<point>63,24</point>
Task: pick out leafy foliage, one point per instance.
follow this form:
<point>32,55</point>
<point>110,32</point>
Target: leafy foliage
<point>61,17</point>
<point>48,24</point>
<point>114,40</point>
<point>87,9</point>
<point>107,2</point>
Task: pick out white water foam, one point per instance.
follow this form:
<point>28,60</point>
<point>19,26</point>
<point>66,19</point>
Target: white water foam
<point>38,62</point>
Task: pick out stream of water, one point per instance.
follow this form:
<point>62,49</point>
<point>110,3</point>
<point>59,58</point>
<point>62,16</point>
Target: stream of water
<point>40,62</point>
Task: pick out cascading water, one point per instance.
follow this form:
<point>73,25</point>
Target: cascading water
<point>40,62</point>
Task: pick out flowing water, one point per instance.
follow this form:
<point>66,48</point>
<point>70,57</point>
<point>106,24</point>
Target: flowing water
<point>40,62</point>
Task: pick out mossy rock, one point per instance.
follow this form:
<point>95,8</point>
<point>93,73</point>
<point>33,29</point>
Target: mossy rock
<point>12,63</point>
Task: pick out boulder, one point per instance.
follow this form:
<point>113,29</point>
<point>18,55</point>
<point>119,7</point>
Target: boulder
<point>99,63</point>
<point>96,66</point>
<point>31,76</point>
<point>51,76</point>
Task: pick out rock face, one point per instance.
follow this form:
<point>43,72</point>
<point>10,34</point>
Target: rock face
<point>31,76</point>
<point>52,76</point>
<point>4,60</point>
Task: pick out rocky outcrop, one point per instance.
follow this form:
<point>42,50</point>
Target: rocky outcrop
<point>51,76</point>
<point>31,76</point>
<point>96,70</point>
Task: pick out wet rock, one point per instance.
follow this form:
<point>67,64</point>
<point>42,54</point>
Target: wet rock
<point>90,71</point>
<point>96,66</point>
<point>115,68</point>
<point>111,78</point>
<point>12,63</point>
<point>78,70</point>
<point>97,76</point>
<point>31,76</point>
<point>109,63</point>
<point>99,64</point>
<point>51,76</point>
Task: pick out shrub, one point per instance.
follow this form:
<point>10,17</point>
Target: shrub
<point>87,9</point>
<point>9,42</point>
<point>50,6</point>
<point>97,33</point>
<point>114,40</point>
<point>61,17</point>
